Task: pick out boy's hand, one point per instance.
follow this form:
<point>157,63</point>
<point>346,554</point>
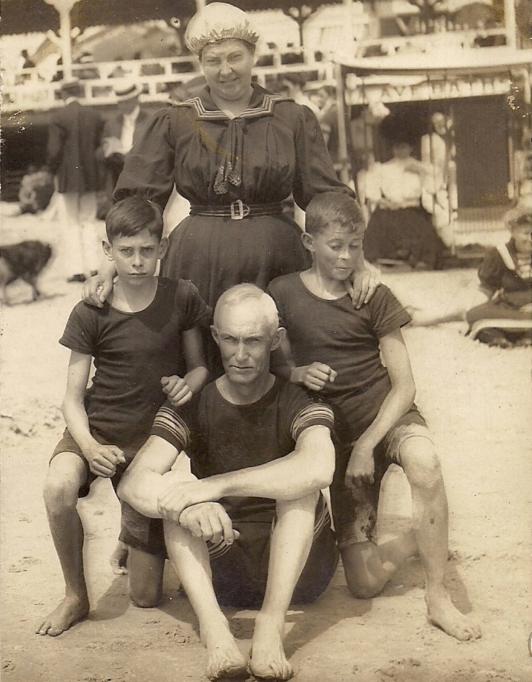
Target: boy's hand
<point>361,467</point>
<point>176,389</point>
<point>96,289</point>
<point>364,285</point>
<point>210,521</point>
<point>103,459</point>
<point>315,376</point>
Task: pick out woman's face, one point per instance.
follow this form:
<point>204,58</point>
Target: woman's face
<point>402,150</point>
<point>227,66</point>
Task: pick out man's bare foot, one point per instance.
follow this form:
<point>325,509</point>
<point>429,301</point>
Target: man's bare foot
<point>70,611</point>
<point>118,559</point>
<point>443,613</point>
<point>225,659</point>
<point>268,660</point>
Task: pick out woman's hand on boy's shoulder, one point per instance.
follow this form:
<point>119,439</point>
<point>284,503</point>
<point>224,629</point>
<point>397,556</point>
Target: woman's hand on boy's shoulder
<point>364,285</point>
<point>96,290</point>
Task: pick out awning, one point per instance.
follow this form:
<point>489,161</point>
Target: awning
<point>26,16</point>
<point>457,61</point>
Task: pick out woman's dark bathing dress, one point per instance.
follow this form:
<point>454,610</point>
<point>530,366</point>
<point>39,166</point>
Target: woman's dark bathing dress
<point>272,150</point>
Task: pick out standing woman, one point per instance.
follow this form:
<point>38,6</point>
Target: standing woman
<point>235,151</point>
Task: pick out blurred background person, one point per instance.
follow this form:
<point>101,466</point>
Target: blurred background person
<point>74,137</point>
<point>438,153</point>
<point>121,131</point>
<point>401,191</point>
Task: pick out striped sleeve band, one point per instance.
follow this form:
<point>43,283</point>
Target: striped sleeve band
<point>170,426</point>
<point>312,415</point>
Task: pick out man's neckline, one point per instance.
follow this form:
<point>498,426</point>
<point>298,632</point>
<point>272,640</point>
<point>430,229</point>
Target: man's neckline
<point>270,387</point>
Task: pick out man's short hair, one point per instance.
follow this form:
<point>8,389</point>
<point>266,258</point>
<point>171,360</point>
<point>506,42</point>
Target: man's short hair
<point>131,215</point>
<point>249,292</point>
<point>333,207</point>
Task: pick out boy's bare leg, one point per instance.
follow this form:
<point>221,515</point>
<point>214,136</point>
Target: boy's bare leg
<point>190,558</point>
<point>368,566</point>
<point>66,474</point>
<point>145,577</point>
<point>119,558</point>
<point>430,517</point>
<point>290,546</point>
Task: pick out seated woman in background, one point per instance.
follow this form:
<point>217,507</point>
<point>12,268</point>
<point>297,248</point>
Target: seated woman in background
<point>401,189</point>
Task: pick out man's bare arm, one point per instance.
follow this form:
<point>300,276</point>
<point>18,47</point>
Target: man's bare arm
<point>149,476</point>
<point>309,467</point>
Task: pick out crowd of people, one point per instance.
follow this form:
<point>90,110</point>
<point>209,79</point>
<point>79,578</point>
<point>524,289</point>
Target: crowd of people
<point>273,357</point>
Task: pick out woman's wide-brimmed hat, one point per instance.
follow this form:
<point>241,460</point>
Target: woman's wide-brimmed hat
<point>219,21</point>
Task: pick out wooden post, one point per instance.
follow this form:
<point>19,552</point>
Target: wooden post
<point>63,8</point>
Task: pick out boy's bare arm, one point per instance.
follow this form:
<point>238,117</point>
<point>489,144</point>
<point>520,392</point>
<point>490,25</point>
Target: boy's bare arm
<point>309,467</point>
<point>398,401</point>
<point>197,373</point>
<point>102,459</point>
<point>181,389</point>
<point>314,376</point>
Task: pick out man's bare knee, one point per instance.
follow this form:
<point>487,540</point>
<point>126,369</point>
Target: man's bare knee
<point>421,463</point>
<point>307,502</point>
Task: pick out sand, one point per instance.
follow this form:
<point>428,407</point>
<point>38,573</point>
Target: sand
<point>478,403</point>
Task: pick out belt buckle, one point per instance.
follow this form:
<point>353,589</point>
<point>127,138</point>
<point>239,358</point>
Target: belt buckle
<point>239,210</point>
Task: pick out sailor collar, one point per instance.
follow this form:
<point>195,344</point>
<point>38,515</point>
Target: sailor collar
<point>261,103</point>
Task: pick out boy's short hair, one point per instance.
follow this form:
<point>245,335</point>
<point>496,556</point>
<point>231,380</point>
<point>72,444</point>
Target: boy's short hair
<point>333,207</point>
<point>131,215</point>
<point>519,216</point>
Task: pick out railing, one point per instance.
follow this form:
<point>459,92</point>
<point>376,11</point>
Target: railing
<point>30,89</point>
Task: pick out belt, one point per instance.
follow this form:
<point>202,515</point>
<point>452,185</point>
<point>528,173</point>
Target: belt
<point>237,210</point>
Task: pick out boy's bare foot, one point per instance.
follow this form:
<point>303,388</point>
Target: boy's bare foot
<point>118,559</point>
<point>268,660</point>
<point>70,611</point>
<point>224,656</point>
<point>443,613</point>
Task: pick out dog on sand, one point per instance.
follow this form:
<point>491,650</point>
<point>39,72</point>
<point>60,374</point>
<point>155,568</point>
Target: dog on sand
<point>25,261</point>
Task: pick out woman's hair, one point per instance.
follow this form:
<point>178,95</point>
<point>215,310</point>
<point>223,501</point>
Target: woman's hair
<point>333,207</point>
<point>131,215</point>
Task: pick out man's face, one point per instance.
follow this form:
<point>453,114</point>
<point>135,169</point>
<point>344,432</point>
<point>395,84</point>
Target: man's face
<point>245,340</point>
<point>337,251</point>
<point>439,123</point>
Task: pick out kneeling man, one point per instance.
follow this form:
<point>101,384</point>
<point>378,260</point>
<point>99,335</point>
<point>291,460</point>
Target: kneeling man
<point>252,528</point>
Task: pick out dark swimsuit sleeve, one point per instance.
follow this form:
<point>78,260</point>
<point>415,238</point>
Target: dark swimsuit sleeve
<point>314,171</point>
<point>491,270</point>
<point>149,166</point>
